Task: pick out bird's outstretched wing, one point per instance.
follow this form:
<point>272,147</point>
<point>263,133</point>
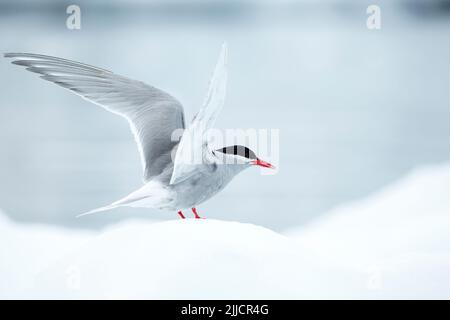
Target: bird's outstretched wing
<point>153,114</point>
<point>193,144</point>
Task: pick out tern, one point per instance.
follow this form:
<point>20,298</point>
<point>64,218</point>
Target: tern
<point>154,116</point>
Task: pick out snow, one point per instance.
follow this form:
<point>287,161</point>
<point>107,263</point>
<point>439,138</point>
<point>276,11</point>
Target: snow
<point>400,236</point>
<point>181,259</point>
<point>27,250</point>
<point>393,244</point>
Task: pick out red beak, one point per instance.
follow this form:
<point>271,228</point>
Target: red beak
<point>261,163</point>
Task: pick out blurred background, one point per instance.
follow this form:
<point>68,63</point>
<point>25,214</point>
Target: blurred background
<point>356,108</point>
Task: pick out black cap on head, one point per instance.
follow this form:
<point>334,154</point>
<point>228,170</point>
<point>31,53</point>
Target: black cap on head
<point>239,151</point>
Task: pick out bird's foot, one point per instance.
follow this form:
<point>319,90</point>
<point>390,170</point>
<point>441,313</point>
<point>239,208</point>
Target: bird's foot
<point>181,215</point>
<point>194,210</point>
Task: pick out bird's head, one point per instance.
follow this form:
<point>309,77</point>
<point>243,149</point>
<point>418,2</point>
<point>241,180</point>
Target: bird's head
<point>240,155</point>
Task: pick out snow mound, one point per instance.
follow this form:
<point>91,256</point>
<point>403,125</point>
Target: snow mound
<point>26,250</point>
<point>410,215</point>
<point>183,259</point>
<point>394,244</point>
<point>400,236</point>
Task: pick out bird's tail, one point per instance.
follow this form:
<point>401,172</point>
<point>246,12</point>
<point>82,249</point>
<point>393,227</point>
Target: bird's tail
<point>151,190</point>
<point>105,208</point>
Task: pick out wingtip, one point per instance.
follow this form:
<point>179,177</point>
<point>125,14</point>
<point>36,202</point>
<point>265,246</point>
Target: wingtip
<point>223,57</point>
<point>18,55</point>
<point>224,50</point>
<point>13,54</point>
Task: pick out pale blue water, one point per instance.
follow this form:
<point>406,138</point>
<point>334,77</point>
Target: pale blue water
<point>356,109</point>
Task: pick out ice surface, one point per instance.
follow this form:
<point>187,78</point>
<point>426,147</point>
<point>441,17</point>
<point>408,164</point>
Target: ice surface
<point>394,244</point>
<point>399,236</point>
<point>27,250</point>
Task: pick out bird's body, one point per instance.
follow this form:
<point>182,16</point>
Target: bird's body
<point>159,193</point>
<point>172,181</point>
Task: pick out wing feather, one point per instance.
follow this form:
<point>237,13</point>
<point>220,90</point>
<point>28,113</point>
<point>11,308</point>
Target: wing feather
<point>152,113</point>
<point>194,145</point>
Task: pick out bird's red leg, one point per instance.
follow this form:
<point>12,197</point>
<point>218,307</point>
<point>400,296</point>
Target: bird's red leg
<point>196,214</point>
<point>181,215</point>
